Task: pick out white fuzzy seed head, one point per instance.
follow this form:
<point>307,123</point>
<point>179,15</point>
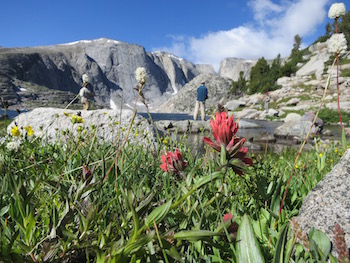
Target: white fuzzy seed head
<point>141,75</point>
<point>337,44</point>
<point>336,10</point>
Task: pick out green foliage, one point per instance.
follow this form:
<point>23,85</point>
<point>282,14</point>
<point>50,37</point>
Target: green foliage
<point>263,77</point>
<point>345,72</point>
<point>239,86</point>
<point>51,209</point>
<point>344,26</point>
<point>332,116</point>
<point>248,248</point>
<point>3,126</point>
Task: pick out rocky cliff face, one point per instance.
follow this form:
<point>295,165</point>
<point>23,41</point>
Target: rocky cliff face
<point>30,77</point>
<point>231,67</point>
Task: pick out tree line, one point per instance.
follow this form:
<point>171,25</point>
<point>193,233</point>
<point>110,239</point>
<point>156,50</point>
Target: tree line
<point>264,75</point>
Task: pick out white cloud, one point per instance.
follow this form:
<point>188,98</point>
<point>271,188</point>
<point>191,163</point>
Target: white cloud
<point>263,9</point>
<point>270,33</point>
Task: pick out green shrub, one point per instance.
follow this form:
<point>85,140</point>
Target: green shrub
<point>332,116</point>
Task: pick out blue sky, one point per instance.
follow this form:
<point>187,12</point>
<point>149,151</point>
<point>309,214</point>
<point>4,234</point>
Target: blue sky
<point>202,31</point>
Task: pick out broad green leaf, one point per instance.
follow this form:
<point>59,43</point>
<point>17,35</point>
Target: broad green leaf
<point>138,244</point>
<point>206,179</point>
<point>194,235</point>
<point>322,241</point>
<point>174,254</point>
<point>248,248</point>
<point>158,214</point>
<point>280,252</point>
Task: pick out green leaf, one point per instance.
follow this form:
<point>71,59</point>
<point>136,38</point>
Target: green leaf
<point>322,241</point>
<point>4,210</point>
<point>30,228</point>
<point>138,244</point>
<point>248,248</point>
<point>223,155</point>
<point>174,254</point>
<point>195,235</point>
<point>206,179</point>
<point>158,214</point>
<point>343,138</point>
<point>280,252</point>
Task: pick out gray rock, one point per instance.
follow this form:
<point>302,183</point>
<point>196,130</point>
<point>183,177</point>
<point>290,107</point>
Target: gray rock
<point>315,65</point>
<point>205,69</point>
<point>345,106</point>
<point>234,104</point>
<point>247,114</point>
<point>295,129</point>
<point>293,102</point>
<point>329,202</point>
<point>270,113</point>
<point>109,125</point>
<point>264,138</point>
<point>231,68</point>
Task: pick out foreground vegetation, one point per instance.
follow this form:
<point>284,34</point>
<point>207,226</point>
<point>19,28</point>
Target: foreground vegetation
<point>83,201</point>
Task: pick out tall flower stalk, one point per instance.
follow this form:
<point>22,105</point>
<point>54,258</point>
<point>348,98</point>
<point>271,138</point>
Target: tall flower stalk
<point>335,12</point>
<point>336,45</point>
<point>141,79</point>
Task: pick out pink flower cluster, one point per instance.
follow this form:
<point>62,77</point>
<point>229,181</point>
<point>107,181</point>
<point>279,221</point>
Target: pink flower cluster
<point>173,162</point>
<point>224,130</point>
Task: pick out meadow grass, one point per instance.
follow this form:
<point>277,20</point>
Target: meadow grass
<point>56,206</point>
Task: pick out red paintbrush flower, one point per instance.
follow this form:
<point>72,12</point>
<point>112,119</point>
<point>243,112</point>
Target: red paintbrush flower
<point>227,217</point>
<point>87,173</point>
<point>224,130</point>
<point>173,162</point>
<point>233,226</point>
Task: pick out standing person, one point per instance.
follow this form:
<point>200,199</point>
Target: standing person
<point>267,100</point>
<point>202,95</point>
<point>86,92</point>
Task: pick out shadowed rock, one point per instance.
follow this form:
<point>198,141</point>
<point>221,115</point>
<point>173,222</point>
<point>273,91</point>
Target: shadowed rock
<point>329,202</point>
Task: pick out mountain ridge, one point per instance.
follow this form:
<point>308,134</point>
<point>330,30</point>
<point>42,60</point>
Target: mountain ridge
<point>51,75</point>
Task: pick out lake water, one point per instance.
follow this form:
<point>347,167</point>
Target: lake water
<point>263,126</point>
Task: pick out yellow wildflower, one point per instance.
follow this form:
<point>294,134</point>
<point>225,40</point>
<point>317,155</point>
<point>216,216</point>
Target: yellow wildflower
<point>320,154</point>
<point>76,119</point>
<point>80,129</point>
<point>15,131</point>
<point>29,130</point>
<point>66,113</point>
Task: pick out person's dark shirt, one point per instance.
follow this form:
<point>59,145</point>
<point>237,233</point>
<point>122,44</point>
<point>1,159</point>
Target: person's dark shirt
<point>202,93</point>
